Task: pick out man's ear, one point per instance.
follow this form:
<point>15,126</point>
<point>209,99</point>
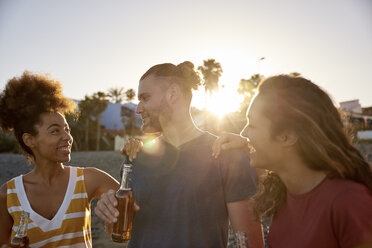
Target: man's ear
<point>173,93</point>
<point>288,137</point>
<point>28,139</point>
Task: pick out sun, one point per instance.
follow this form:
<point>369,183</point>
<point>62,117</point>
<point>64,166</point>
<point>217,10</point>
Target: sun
<point>236,64</point>
<point>220,103</point>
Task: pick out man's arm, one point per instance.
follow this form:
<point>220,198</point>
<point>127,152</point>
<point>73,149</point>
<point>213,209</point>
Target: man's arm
<point>242,220</point>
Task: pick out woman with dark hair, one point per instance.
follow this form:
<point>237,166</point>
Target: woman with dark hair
<point>318,187</point>
<point>57,197</point>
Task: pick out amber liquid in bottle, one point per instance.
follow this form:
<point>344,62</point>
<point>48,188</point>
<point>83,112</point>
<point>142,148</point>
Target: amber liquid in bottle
<point>20,240</point>
<point>125,197</point>
<point>122,228</point>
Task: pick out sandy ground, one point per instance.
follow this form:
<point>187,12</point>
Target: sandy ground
<point>12,165</point>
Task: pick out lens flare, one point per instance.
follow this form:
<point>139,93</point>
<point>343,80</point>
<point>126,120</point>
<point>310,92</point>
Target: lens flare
<point>150,144</point>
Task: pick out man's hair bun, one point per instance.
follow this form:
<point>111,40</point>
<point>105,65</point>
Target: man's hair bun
<point>190,76</point>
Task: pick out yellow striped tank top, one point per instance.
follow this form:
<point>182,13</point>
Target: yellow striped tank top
<point>70,227</point>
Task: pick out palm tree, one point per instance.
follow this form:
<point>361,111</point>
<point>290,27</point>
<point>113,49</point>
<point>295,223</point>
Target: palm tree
<point>130,94</point>
<point>211,71</point>
<point>116,94</point>
<point>129,116</point>
<point>100,103</point>
<point>86,108</point>
<point>247,88</point>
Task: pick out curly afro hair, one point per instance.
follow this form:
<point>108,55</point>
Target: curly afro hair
<point>25,98</point>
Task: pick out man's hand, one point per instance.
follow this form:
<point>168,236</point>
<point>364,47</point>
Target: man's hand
<point>228,141</point>
<point>131,148</point>
<point>106,207</point>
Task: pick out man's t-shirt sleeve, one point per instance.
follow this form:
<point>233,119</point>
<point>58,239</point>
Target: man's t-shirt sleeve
<point>239,179</point>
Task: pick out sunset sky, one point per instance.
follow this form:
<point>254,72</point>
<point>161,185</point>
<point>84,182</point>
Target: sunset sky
<point>94,45</point>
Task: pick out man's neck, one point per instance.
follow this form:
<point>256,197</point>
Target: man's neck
<point>178,132</point>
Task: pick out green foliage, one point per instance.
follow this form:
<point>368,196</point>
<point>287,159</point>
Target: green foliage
<point>211,71</point>
<point>363,141</point>
<point>86,107</point>
<point>247,88</point>
<point>92,106</point>
<point>116,95</point>
<point>99,102</point>
<point>8,143</point>
<point>130,94</point>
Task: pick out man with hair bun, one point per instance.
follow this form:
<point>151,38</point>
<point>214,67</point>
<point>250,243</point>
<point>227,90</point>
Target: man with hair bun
<point>56,196</point>
<point>186,196</point>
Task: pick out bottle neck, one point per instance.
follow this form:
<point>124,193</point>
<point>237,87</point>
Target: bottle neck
<point>126,176</point>
<point>23,225</point>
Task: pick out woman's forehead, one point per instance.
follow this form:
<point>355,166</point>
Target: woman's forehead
<point>255,107</point>
<point>56,117</point>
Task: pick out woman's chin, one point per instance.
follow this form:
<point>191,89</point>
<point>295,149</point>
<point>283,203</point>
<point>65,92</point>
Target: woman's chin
<point>255,164</point>
<point>66,159</point>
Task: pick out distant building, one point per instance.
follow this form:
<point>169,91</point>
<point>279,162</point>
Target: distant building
<point>356,115</point>
<point>367,111</point>
<point>119,117</point>
<point>351,106</point>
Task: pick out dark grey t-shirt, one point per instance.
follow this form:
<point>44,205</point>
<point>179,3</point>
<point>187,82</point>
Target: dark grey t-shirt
<point>183,192</point>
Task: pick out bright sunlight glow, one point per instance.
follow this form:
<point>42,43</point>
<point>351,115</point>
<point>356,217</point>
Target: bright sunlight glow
<point>224,101</point>
<point>236,64</point>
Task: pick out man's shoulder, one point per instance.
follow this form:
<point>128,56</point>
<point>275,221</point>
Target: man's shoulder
<point>200,145</point>
<point>226,156</point>
<point>237,155</point>
<point>206,138</point>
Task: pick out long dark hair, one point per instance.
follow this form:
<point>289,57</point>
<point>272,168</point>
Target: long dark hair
<point>300,105</point>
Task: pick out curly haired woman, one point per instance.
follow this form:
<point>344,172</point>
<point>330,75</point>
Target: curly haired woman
<point>56,196</point>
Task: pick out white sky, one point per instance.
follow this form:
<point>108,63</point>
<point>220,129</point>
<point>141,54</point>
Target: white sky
<point>94,45</point>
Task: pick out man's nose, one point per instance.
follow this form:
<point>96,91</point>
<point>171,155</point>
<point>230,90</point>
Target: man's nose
<point>139,108</point>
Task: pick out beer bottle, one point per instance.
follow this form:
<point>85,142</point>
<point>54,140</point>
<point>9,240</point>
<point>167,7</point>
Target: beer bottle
<point>125,197</point>
<point>20,239</point>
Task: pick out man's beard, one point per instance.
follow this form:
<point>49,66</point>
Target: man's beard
<point>154,125</point>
